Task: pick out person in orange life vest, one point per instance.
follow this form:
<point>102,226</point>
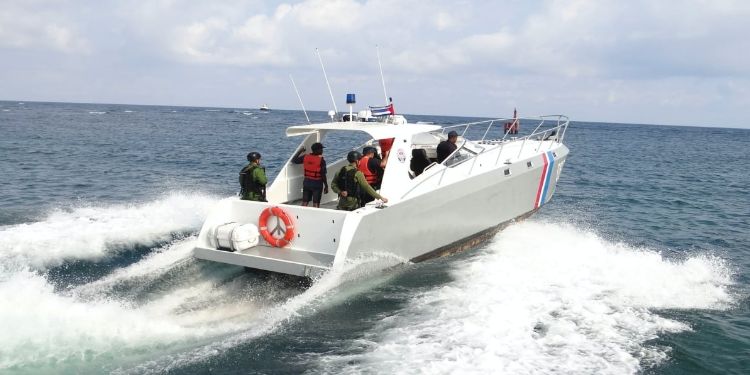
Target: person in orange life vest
<point>315,183</point>
<point>372,168</point>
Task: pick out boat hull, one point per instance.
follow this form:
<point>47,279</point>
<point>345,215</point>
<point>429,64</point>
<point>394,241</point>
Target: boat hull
<point>423,224</point>
<point>445,218</point>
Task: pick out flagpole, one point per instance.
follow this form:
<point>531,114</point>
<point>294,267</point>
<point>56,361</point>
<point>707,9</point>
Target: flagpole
<point>327,83</point>
<point>382,77</point>
<point>300,99</point>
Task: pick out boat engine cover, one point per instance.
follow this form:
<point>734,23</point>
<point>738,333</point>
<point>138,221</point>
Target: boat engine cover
<point>236,236</point>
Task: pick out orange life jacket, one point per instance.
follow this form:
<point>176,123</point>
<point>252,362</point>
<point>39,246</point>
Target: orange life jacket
<point>311,164</point>
<point>369,176</point>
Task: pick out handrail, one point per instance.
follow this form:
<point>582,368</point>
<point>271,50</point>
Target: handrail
<point>559,131</point>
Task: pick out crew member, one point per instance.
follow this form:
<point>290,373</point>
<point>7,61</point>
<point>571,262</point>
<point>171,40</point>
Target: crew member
<point>372,168</point>
<point>445,148</point>
<point>315,183</point>
<point>253,180</point>
<point>351,185</point>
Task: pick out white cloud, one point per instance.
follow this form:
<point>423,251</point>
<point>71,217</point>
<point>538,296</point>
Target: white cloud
<point>35,25</point>
<point>444,20</point>
<point>330,15</point>
<point>611,54</point>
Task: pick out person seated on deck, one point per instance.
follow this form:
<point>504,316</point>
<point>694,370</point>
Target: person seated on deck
<point>419,161</point>
<point>351,184</point>
<point>315,183</point>
<point>253,180</point>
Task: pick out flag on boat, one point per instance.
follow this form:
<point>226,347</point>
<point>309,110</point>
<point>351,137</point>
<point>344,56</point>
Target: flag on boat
<point>382,111</point>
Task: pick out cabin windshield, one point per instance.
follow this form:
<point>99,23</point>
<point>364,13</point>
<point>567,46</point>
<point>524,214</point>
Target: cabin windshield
<point>462,154</point>
<point>338,144</point>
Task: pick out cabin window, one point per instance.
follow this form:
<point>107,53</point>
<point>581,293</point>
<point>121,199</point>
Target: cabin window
<point>459,156</point>
<point>507,172</point>
<point>529,164</point>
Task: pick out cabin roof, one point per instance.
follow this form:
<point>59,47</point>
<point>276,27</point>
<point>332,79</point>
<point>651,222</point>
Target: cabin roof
<point>374,129</point>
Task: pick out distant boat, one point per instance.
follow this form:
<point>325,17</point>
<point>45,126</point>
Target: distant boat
<point>264,107</point>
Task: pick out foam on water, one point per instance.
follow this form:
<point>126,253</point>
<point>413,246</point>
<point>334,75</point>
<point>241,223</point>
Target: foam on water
<point>103,325</point>
<point>92,232</point>
<point>540,298</point>
<point>165,303</point>
<point>544,298</point>
<point>329,289</point>
<point>105,318</point>
<point>175,255</point>
<point>41,326</point>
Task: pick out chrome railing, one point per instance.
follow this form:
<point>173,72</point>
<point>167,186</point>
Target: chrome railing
<point>560,121</point>
<point>557,128</point>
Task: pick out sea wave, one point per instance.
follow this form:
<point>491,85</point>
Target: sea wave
<point>92,232</point>
<point>160,303</point>
<point>544,298</point>
<point>331,288</point>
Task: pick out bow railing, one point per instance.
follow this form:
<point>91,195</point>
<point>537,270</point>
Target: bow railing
<point>546,128</point>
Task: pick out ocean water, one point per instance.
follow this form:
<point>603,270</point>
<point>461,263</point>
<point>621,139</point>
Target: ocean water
<point>639,264</point>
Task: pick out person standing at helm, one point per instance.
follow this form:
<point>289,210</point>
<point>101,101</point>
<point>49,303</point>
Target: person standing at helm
<point>253,180</point>
<point>446,148</point>
<point>372,169</point>
<point>351,185</point>
<point>315,183</point>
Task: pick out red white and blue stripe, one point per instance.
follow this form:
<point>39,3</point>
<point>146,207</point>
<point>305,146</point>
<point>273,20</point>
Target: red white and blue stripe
<point>544,180</point>
<point>382,111</point>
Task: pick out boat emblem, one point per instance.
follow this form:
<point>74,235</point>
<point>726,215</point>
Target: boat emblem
<point>401,155</point>
<point>279,230</point>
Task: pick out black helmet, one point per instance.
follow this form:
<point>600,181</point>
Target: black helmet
<point>353,156</point>
<point>317,146</point>
<point>253,156</point>
<point>369,149</point>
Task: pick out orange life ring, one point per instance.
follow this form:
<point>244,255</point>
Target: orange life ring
<point>282,216</point>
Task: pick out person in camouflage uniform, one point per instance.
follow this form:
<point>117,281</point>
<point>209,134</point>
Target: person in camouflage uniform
<point>253,180</point>
<point>351,184</point>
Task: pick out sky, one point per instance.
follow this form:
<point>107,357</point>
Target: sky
<point>638,61</point>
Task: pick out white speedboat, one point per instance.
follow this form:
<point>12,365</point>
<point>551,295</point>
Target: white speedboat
<point>264,107</point>
<point>433,208</point>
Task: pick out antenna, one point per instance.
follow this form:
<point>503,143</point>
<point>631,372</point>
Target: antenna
<point>300,99</point>
<point>382,78</point>
<point>336,110</point>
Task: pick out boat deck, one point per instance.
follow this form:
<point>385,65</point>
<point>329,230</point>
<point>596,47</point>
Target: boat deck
<point>284,260</point>
<point>331,205</point>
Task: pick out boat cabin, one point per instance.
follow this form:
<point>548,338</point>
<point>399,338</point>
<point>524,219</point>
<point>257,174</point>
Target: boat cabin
<point>413,150</point>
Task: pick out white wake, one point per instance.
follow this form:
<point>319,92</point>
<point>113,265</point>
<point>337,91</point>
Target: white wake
<point>544,298</point>
<point>92,232</point>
